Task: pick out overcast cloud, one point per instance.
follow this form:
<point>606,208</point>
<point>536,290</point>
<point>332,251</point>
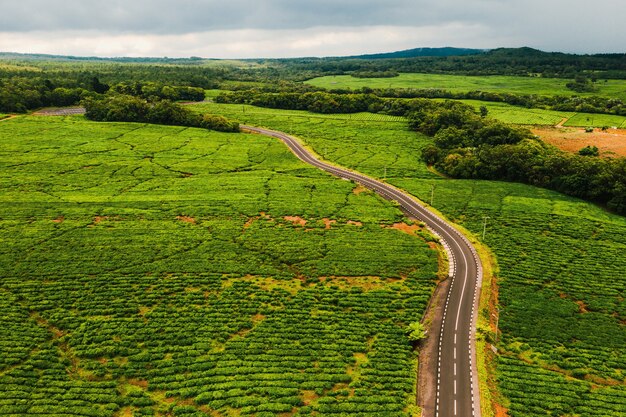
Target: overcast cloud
<point>288,28</point>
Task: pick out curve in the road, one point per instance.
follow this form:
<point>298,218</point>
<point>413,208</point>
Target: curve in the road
<point>457,381</point>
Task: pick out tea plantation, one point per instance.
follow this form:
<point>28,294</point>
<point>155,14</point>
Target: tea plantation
<point>562,345</point>
<point>149,270</point>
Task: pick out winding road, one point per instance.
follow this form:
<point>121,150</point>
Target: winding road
<point>456,377</point>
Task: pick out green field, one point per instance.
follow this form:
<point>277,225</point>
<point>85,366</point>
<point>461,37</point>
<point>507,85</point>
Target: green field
<point>563,340</point>
<point>596,120</point>
<point>150,270</point>
<point>462,83</point>
<point>520,115</point>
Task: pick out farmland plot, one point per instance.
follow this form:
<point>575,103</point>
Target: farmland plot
<point>151,270</point>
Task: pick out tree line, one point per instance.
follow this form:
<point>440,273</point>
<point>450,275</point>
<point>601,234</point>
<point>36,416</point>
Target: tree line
<point>282,96</point>
<point>127,108</point>
<point>21,94</point>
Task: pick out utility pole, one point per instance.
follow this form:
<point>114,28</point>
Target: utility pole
<point>485,225</point>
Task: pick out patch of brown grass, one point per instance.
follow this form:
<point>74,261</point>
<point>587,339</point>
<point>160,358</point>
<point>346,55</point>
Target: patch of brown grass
<point>309,397</point>
<point>141,383</point>
<point>611,141</point>
<point>355,223</point>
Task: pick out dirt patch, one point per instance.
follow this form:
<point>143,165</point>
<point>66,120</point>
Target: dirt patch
<point>355,223</point>
<point>609,142</point>
<point>409,229</point>
<point>141,383</point>
<point>582,307</point>
<point>501,411</point>
<point>59,220</point>
<point>257,318</point>
<point>297,221</point>
<point>309,397</point>
<point>359,189</point>
<point>328,223</point>
<point>99,219</point>
<point>186,219</point>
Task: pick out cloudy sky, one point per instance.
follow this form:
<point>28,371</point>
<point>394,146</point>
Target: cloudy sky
<point>291,28</point>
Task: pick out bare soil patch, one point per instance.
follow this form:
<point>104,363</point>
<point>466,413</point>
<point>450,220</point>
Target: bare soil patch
<point>609,142</point>
<point>409,229</point>
<point>186,219</point>
<point>359,189</point>
<point>296,220</point>
<point>328,223</point>
<point>59,219</point>
<point>355,223</point>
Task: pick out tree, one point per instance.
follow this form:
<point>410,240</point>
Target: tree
<point>589,151</point>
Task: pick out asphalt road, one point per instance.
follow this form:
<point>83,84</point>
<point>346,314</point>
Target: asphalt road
<point>457,383</point>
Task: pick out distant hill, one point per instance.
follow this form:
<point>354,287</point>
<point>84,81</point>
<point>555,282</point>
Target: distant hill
<point>71,58</point>
<point>418,52</point>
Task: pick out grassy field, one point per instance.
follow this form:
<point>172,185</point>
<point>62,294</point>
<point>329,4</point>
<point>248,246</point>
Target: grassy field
<point>520,115</point>
<point>539,117</point>
<point>596,120</point>
<point>563,342</point>
<point>461,83</point>
<point>150,270</point>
